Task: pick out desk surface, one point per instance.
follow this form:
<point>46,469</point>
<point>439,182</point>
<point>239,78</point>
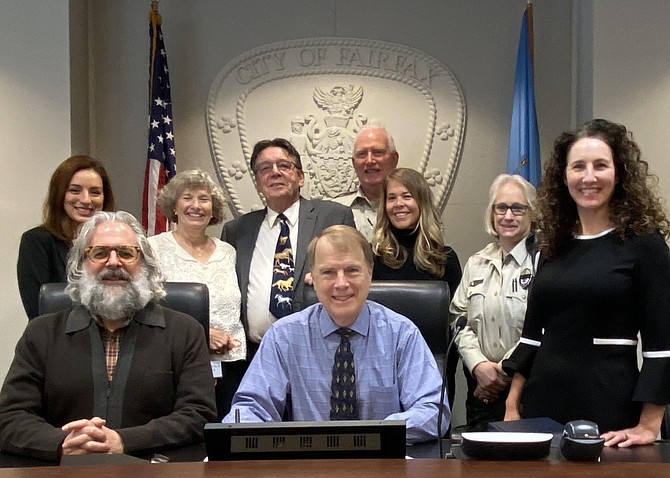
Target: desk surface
<point>636,462</point>
<point>362,468</point>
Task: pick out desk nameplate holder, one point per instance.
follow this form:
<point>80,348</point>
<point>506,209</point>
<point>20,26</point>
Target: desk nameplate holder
<point>308,440</point>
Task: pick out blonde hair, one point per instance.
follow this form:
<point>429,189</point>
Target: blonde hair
<point>343,239</point>
<point>430,254</point>
<point>529,193</point>
<point>193,179</point>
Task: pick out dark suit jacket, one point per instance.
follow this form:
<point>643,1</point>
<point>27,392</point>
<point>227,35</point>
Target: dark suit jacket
<point>315,216</point>
<point>42,260</point>
<point>161,395</point>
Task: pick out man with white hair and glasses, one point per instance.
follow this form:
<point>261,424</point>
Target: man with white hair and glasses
<point>117,373</point>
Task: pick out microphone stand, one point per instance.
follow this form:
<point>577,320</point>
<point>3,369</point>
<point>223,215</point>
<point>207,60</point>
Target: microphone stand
<point>460,325</point>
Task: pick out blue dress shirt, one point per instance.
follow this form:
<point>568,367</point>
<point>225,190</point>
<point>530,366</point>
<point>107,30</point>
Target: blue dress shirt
<point>396,374</point>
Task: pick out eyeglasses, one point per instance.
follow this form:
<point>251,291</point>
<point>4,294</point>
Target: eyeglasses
<point>517,209</point>
<point>282,166</point>
<point>125,254</point>
<point>375,153</point>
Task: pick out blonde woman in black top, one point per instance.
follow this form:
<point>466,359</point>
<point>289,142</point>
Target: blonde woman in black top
<point>408,242</point>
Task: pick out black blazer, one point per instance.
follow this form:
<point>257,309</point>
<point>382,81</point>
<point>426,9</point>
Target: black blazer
<point>42,259</point>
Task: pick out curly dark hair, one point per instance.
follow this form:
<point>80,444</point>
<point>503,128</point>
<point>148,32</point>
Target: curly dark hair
<point>635,207</point>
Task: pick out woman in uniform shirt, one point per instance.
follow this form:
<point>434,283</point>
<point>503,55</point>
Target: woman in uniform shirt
<point>492,296</point>
<point>603,278</point>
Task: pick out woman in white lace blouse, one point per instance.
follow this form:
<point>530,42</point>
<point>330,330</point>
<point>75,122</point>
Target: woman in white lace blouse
<point>194,201</point>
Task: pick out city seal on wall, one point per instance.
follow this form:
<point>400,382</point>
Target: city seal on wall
<point>319,93</point>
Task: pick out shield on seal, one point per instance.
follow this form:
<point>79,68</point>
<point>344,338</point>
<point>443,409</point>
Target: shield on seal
<point>319,93</point>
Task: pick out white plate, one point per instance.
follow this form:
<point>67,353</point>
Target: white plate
<point>506,445</point>
<point>507,437</point>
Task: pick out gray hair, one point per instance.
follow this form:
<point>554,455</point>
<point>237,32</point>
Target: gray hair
<point>77,256</point>
<point>371,127</point>
<point>528,191</point>
<point>193,179</point>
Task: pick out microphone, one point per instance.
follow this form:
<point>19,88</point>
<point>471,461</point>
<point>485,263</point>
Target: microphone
<point>460,325</point>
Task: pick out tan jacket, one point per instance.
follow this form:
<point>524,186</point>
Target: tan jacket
<point>492,296</point>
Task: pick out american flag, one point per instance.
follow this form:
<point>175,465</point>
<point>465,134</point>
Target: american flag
<point>161,159</point>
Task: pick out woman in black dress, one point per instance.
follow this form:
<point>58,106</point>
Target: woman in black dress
<point>604,276</point>
<point>408,242</point>
<point>79,187</point>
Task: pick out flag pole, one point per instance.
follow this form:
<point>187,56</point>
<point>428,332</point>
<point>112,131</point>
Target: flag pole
<point>155,21</point>
<point>531,37</point>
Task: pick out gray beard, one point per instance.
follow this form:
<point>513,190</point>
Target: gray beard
<point>115,302</point>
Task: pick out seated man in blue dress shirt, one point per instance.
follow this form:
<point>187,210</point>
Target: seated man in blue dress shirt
<point>395,373</point>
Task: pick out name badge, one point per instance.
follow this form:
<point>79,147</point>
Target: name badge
<point>217,372</point>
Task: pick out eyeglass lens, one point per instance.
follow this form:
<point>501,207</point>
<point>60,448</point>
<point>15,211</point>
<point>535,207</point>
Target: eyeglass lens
<point>517,209</point>
<point>123,253</point>
<point>282,166</point>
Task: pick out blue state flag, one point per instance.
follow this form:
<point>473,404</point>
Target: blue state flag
<point>523,157</point>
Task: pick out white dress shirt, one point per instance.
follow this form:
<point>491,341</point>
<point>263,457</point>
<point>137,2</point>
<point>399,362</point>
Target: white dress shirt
<point>259,317</point>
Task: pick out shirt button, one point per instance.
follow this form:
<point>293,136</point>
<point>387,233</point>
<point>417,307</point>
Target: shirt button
<point>495,345</point>
<point>493,319</point>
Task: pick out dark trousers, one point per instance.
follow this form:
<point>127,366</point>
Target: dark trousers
<point>252,348</point>
<point>478,413</point>
<point>226,386</point>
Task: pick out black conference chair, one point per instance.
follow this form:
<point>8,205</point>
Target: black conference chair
<point>426,303</point>
<point>191,298</point>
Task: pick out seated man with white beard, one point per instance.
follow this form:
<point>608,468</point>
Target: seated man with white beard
<point>117,373</point>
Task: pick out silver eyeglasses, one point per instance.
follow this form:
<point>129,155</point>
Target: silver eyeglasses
<point>282,167</point>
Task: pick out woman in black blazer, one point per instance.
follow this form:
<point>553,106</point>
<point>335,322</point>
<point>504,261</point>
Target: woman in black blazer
<point>78,188</point>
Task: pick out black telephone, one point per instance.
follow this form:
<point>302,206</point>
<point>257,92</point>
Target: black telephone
<point>581,441</point>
